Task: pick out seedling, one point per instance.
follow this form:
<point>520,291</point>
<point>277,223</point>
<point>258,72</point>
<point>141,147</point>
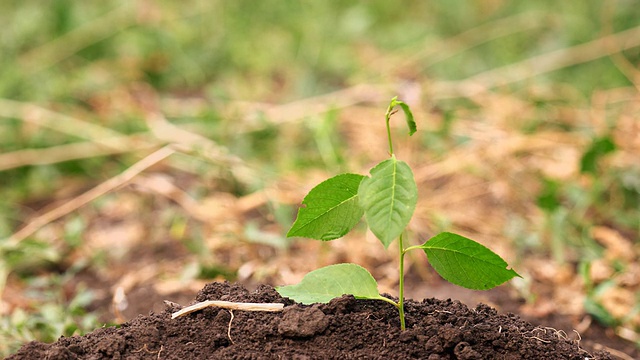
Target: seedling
<point>387,199</point>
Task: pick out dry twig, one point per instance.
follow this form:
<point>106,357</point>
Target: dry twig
<point>74,151</point>
<point>538,65</point>
<point>269,307</point>
<point>63,123</point>
<point>109,185</point>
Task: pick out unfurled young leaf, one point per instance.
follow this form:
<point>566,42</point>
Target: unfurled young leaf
<point>388,198</point>
<point>466,263</point>
<point>407,112</point>
<point>324,284</point>
<point>330,209</point>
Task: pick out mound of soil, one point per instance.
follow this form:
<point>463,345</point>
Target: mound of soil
<point>345,328</point>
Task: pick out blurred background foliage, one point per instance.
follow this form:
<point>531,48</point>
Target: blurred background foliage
<point>528,140</point>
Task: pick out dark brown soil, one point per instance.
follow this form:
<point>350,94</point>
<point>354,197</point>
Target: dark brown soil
<point>345,328</point>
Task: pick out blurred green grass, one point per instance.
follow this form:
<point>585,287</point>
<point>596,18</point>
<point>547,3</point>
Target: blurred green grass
<point>74,55</point>
<point>83,58</point>
<point>241,50</point>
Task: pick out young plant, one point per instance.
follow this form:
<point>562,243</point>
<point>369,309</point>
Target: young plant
<point>387,199</point>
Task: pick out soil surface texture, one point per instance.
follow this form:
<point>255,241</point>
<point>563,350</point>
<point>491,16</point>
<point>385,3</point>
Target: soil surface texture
<point>345,328</point>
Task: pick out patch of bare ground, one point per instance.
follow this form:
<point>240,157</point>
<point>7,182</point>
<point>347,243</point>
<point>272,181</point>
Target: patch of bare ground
<point>344,328</point>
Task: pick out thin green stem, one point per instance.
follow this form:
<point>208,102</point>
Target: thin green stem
<point>401,284</point>
<point>388,119</point>
<point>389,301</point>
<point>414,247</point>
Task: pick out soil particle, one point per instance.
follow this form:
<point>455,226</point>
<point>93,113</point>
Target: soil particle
<point>345,328</point>
<point>464,351</point>
<point>302,322</point>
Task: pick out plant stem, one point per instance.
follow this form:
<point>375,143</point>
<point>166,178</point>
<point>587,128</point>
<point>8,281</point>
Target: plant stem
<point>388,118</point>
<point>389,301</point>
<point>414,247</point>
<point>401,284</point>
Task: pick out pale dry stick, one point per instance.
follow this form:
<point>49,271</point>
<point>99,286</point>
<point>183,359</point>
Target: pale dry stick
<point>267,307</point>
<point>83,199</point>
<point>617,353</point>
<point>628,334</point>
<point>254,116</point>
<point>77,39</point>
<point>166,131</point>
<point>619,60</point>
<point>184,140</point>
<point>62,123</point>
<point>537,65</point>
<point>298,110</point>
<point>74,151</point>
<point>185,107</point>
<point>119,303</point>
<point>458,160</point>
<point>188,142</point>
<point>584,325</point>
<point>164,187</point>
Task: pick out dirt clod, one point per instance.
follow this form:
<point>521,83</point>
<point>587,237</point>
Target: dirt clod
<point>302,322</point>
<point>344,328</point>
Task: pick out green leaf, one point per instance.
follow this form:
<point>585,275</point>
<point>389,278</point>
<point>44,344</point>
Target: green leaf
<point>598,311</point>
<point>466,263</point>
<point>549,197</point>
<point>330,209</point>
<point>407,113</point>
<point>598,149</point>
<point>389,198</point>
<point>324,284</point>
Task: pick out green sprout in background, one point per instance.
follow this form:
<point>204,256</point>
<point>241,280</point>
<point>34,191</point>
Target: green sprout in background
<point>387,199</point>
